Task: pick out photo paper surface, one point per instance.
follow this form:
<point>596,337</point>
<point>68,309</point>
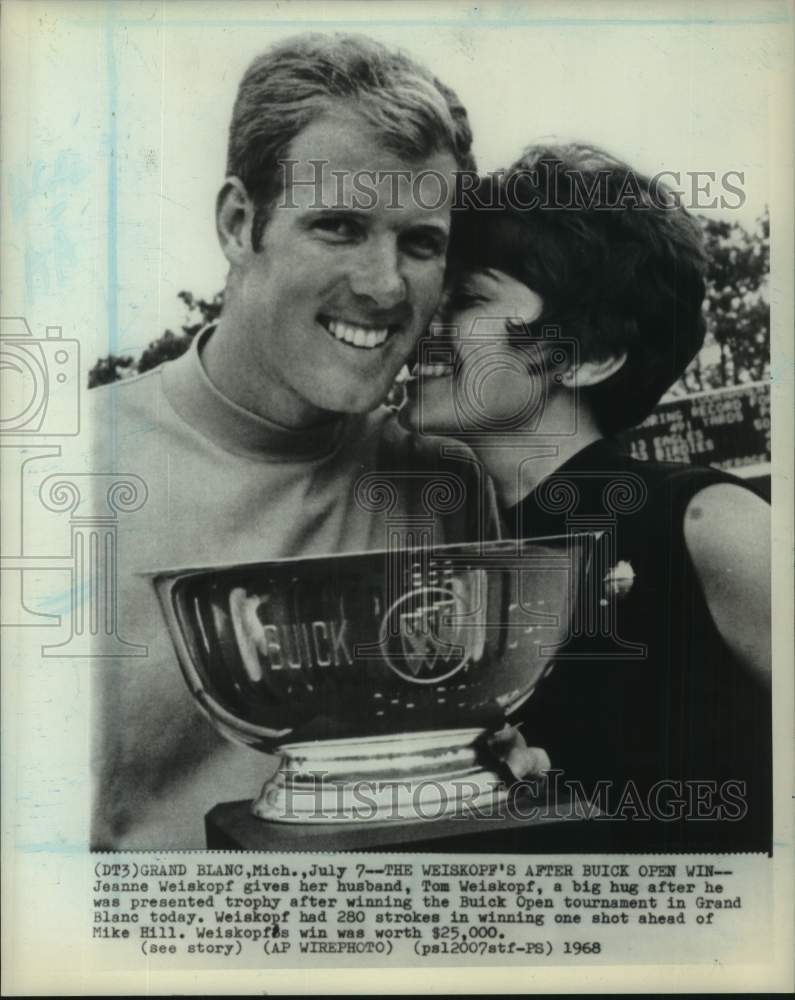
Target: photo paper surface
<point>396,458</point>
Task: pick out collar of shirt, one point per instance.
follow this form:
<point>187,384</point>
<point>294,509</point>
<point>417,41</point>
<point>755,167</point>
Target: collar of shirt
<point>233,428</point>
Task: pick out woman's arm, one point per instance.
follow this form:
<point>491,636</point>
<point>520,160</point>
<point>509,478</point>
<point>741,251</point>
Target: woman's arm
<point>727,533</point>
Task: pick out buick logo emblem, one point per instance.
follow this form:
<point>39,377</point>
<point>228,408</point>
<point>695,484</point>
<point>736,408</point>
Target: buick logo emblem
<point>423,640</point>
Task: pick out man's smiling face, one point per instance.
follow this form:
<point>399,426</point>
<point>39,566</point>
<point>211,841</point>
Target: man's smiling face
<point>331,306</point>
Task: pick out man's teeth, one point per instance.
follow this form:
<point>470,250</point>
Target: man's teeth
<point>359,336</point>
<point>431,371</point>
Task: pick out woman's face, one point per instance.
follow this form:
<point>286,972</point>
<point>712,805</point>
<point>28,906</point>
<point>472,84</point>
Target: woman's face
<point>475,374</point>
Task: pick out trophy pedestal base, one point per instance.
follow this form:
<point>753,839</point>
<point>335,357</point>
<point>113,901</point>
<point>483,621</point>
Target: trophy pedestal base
<point>427,791</point>
<point>231,826</point>
<point>404,777</point>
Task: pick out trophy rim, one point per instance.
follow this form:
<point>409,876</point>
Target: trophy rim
<point>491,547</point>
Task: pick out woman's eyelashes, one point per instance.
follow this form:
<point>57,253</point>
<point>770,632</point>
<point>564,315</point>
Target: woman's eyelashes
<point>464,298</point>
<point>471,295</point>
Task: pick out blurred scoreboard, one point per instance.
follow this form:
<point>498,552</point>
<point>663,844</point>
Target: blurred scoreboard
<point>726,428</point>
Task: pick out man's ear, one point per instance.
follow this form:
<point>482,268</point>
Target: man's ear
<point>593,372</point>
<point>234,212</point>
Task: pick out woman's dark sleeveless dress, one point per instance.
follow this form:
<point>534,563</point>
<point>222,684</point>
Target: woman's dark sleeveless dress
<point>685,712</point>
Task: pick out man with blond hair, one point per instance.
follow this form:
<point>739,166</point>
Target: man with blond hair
<point>334,219</point>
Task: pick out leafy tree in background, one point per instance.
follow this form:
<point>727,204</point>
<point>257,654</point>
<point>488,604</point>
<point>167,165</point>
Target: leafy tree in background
<point>736,349</point>
<point>171,345</point>
<point>737,309</point>
<point>109,369</point>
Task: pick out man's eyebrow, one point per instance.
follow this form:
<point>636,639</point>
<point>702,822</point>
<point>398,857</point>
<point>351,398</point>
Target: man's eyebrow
<point>336,210</point>
<point>319,213</point>
<point>437,225</point>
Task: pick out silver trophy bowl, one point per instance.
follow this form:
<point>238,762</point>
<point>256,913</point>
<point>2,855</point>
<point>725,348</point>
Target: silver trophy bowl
<point>376,677</point>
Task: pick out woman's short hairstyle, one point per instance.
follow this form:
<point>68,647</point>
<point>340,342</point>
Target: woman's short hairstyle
<point>292,84</point>
<point>618,264</point>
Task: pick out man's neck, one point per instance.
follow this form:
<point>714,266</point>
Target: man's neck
<point>218,358</point>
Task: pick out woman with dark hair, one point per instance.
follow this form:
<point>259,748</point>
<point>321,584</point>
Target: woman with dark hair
<point>574,301</point>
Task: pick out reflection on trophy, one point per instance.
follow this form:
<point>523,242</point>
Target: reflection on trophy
<point>377,678</point>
